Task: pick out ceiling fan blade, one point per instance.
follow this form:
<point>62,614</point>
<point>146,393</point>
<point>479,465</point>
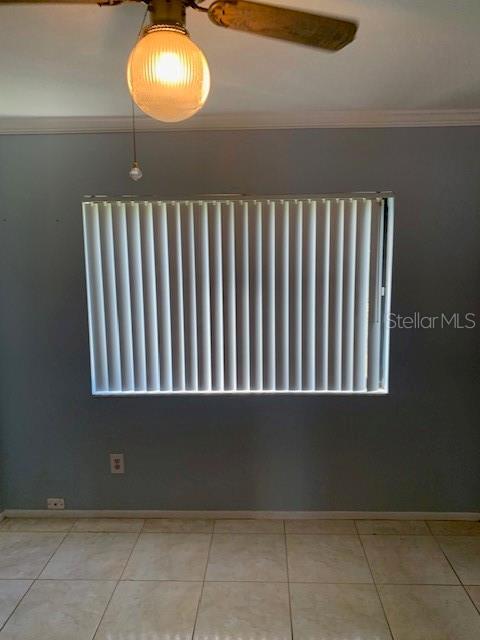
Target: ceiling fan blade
<point>285,24</point>
<point>97,2</point>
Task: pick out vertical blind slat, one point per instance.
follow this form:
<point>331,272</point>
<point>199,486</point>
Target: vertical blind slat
<point>270,361</point>
<point>258,299</point>
<point>110,297</point>
<point>217,334</point>
<point>349,298</point>
<point>231,306</point>
<point>297,297</point>
<point>93,262</point>
<point>285,302</point>
<point>245,300</point>
<point>337,297</point>
<point>150,296</point>
<point>387,284</point>
<point>375,295</point>
<point>163,288</point>
<point>192,299</point>
<point>361,295</point>
<point>310,286</point>
<point>136,290</point>
<point>323,297</point>
<point>122,273</point>
<point>204,311</point>
<point>179,325</point>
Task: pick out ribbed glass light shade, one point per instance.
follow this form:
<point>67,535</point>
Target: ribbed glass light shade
<point>168,75</point>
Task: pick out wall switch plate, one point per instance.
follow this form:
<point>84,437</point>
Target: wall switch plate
<point>55,503</point>
<point>117,463</point>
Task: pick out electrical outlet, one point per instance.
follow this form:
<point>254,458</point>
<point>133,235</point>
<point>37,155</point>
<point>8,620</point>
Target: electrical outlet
<point>55,503</point>
<point>117,463</point>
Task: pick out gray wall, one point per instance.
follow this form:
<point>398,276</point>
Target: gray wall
<point>415,449</point>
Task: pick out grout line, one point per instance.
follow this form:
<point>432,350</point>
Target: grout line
<point>387,584</point>
<point>134,546</point>
<point>162,580</point>
<point>2,626</point>
<point>288,579</point>
<point>425,532</point>
<point>458,577</point>
<point>116,585</point>
<point>236,532</point>
<point>34,580</point>
<point>202,588</point>
<point>5,529</point>
<point>221,533</point>
<point>374,582</point>
<point>143,530</point>
<point>318,533</point>
<point>52,554</point>
<point>477,607</point>
<point>105,609</point>
<point>449,563</point>
<point>381,584</point>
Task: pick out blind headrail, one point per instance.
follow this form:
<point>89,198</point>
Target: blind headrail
<point>234,196</point>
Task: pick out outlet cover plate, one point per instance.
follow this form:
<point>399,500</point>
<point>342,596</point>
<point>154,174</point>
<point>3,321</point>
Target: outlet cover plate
<point>117,463</point>
<point>55,503</point>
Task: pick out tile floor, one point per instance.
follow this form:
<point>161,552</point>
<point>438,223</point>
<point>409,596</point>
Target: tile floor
<point>161,579</point>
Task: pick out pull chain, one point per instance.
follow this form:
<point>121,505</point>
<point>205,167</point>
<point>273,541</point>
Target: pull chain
<point>135,172</point>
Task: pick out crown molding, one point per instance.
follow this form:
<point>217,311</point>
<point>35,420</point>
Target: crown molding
<point>217,122</point>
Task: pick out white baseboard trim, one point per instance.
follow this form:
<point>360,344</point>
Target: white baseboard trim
<point>280,515</point>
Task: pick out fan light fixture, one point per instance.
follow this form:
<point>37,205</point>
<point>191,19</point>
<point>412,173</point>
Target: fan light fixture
<point>167,74</point>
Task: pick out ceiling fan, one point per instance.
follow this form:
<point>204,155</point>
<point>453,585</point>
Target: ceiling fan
<point>168,75</point>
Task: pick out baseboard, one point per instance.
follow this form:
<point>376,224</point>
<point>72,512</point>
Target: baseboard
<point>2,515</point>
<point>281,515</point>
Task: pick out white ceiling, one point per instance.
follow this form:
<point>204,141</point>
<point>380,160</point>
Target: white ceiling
<point>408,55</point>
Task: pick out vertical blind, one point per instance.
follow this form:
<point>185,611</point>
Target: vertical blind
<point>274,294</point>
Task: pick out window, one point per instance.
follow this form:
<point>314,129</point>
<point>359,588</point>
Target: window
<point>227,295</point>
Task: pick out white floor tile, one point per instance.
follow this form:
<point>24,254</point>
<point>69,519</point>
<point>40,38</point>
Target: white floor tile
<point>474,593</point>
<point>334,611</point>
<point>407,560</point>
<point>454,527</point>
<point>23,555</point>
<point>151,611</point>
<point>91,556</point>
<point>109,525</point>
<point>320,526</point>
<point>11,592</point>
<point>430,612</point>
<point>178,525</point>
<point>327,558</point>
<point>46,525</point>
<point>244,610</point>
<point>464,555</point>
<point>247,557</point>
<point>393,527</point>
<point>59,610</point>
<point>248,526</point>
<point>169,556</point>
